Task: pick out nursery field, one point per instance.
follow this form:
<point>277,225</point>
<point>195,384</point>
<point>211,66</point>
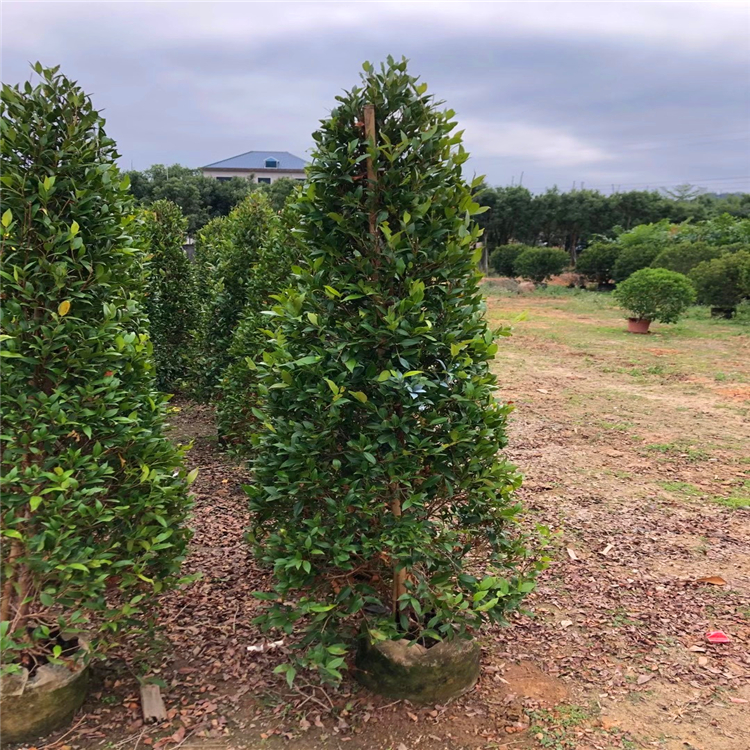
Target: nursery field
<point>635,453</point>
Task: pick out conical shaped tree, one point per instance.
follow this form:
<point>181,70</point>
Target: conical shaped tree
<point>379,492</point>
<point>94,497</point>
<point>238,391</point>
<point>232,250</point>
<point>171,301</point>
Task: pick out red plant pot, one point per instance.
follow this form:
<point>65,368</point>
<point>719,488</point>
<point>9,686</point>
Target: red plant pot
<point>638,325</point>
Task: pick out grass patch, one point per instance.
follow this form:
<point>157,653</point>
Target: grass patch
<point>555,729</point>
<point>678,450</point>
<point>735,502</point>
<point>681,488</point>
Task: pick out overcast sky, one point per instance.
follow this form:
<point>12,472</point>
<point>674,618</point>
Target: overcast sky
<point>630,94</point>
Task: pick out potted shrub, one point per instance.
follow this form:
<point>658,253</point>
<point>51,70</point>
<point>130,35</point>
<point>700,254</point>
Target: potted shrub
<point>654,294</point>
<point>377,472</point>
<point>171,299</point>
<point>723,282</point>
<point>94,497</point>
<point>539,263</point>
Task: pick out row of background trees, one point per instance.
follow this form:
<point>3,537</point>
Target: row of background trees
<point>200,198</point>
<point>564,219</point>
<point>571,219</point>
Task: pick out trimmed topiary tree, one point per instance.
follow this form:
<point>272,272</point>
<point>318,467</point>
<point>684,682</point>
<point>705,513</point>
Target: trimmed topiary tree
<point>238,393</point>
<point>171,300</point>
<point>597,262</point>
<point>723,282</point>
<point>94,497</point>
<point>379,498</point>
<point>539,263</point>
<point>503,259</point>
<point>655,294</point>
<point>236,247</point>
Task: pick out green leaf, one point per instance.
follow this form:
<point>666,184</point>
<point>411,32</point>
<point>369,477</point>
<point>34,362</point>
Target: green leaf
<point>384,375</point>
<point>7,218</point>
<point>34,502</point>
<point>359,396</point>
<point>334,388</point>
<point>370,457</point>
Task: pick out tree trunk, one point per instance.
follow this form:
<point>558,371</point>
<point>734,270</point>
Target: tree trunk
<point>399,576</point>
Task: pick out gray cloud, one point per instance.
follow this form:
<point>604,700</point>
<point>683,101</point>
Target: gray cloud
<point>607,93</point>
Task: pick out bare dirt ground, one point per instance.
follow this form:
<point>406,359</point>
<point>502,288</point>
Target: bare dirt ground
<point>635,452</point>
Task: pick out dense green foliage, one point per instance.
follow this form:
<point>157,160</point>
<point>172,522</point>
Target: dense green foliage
<point>202,198</point>
<point>597,262</point>
<point>94,497</point>
<point>271,273</point>
<point>227,258</point>
<point>684,256</point>
<point>574,218</point>
<point>539,263</point>
<point>724,281</point>
<point>503,259</point>
<point>171,300</point>
<point>656,294</point>
<point>377,468</point>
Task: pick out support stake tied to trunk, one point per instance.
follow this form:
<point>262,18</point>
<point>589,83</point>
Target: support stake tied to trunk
<point>399,576</point>
<point>372,175</point>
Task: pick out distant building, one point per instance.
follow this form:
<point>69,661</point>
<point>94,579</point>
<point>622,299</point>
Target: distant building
<point>258,166</point>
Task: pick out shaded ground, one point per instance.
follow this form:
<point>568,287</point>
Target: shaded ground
<point>635,451</point>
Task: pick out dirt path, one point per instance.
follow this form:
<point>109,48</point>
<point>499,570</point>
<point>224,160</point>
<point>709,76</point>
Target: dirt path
<point>641,481</point>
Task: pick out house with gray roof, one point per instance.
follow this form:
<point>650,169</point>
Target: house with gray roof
<point>258,166</point>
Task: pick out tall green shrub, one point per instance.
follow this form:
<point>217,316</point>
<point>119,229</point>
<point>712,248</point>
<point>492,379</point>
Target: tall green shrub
<point>380,499</point>
<point>639,247</point>
<point>238,392</point>
<point>171,301</point>
<point>682,257</point>
<point>237,247</point>
<point>503,259</point>
<point>94,497</point>
<point>724,281</point>
<point>539,263</point>
<point>598,260</point>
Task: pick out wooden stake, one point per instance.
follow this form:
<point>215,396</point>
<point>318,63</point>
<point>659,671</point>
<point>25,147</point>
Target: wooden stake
<point>399,576</point>
<point>152,705</point>
<point>372,175</point>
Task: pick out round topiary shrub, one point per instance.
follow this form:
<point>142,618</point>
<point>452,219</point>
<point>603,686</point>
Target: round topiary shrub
<point>723,282</point>
<point>655,294</point>
<point>94,496</point>
<point>503,259</point>
<point>539,263</point>
<point>379,497</point>
<point>171,299</point>
<point>597,262</point>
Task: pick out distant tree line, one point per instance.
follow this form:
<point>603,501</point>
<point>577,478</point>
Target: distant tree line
<point>570,220</point>
<point>200,198</point>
